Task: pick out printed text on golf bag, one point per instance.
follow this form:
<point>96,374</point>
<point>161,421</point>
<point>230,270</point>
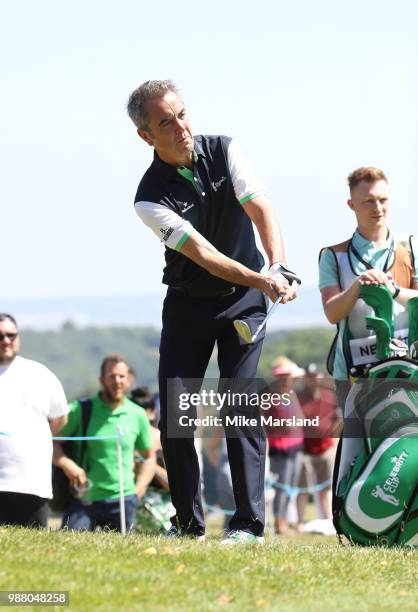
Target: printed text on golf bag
<point>376,496</point>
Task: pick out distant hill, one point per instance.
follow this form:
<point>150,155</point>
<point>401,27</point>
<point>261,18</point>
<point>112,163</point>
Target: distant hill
<point>101,311</point>
<point>139,310</point>
<point>71,335</point>
<point>75,354</point>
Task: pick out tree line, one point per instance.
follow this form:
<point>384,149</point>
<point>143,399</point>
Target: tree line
<point>74,354</point>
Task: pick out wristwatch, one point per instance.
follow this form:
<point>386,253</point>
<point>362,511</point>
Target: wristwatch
<point>397,290</point>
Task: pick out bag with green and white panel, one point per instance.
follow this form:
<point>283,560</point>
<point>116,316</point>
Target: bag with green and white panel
<point>375,496</point>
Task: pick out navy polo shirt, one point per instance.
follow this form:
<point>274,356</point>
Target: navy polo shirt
<point>175,202</point>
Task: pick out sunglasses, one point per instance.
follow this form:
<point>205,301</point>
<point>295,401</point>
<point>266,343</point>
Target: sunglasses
<point>9,335</point>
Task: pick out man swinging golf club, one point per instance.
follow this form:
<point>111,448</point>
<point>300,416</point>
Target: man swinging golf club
<point>200,197</point>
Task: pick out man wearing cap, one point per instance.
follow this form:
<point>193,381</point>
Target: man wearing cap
<point>200,197</point>
<point>32,407</point>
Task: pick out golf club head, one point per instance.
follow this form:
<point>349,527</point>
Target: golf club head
<point>243,330</point>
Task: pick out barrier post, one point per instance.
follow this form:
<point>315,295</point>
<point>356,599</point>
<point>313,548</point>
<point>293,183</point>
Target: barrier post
<point>121,487</point>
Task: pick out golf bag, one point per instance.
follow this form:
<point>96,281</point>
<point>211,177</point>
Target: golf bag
<point>375,489</point>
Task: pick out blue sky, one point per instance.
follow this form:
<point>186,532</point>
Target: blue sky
<point>310,90</point>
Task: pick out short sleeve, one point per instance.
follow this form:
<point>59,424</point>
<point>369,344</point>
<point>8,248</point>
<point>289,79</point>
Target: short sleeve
<point>143,441</point>
<point>72,426</point>
<point>328,273</point>
<point>167,225</point>
<point>247,185</point>
<point>57,405</point>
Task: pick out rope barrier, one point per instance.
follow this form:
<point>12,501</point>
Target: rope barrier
<point>218,508</point>
<point>75,438</point>
<point>118,437</point>
<point>271,484</point>
<point>294,491</point>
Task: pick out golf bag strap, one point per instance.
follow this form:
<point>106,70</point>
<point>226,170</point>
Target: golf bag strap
<point>337,502</point>
<point>332,350</point>
<point>403,269</point>
<point>413,515</point>
<point>86,406</point>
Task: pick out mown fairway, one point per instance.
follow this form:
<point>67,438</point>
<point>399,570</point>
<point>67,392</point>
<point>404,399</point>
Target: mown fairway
<point>104,571</point>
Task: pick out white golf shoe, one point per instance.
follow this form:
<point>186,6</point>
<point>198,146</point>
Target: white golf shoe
<point>237,536</point>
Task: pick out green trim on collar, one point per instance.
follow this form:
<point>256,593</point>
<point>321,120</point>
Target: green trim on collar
<point>251,196</point>
<point>195,156</point>
<point>186,173</point>
<point>182,240</point>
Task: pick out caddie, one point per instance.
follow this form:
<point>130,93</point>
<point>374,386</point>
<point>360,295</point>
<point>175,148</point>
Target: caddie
<point>373,255</point>
<point>200,197</point>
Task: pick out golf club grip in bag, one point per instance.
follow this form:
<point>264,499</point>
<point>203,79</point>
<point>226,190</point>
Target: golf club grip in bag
<point>375,496</point>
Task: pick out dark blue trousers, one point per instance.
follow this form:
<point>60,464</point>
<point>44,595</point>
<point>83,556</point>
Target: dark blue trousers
<point>81,516</point>
<point>191,327</point>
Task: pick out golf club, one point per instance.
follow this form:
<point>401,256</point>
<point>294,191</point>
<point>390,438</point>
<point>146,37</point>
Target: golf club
<point>243,328</point>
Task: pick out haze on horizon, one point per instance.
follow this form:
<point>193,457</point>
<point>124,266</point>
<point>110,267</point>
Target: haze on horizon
<point>309,90</point>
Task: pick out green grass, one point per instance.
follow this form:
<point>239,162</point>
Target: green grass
<point>104,571</point>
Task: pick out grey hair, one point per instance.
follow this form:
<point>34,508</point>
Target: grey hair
<point>141,95</point>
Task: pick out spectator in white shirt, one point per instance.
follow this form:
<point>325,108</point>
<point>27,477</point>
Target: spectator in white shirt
<point>33,408</point>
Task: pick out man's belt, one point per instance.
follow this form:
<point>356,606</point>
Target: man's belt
<point>203,293</point>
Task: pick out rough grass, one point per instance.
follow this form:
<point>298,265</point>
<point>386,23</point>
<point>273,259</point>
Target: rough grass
<point>104,571</point>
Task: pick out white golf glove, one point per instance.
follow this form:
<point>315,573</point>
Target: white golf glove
<point>280,271</point>
<point>274,270</point>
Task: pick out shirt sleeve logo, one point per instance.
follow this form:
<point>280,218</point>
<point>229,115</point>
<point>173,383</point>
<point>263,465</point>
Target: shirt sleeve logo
<point>166,233</point>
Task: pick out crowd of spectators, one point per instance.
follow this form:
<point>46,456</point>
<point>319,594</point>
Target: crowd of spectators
<point>34,409</point>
